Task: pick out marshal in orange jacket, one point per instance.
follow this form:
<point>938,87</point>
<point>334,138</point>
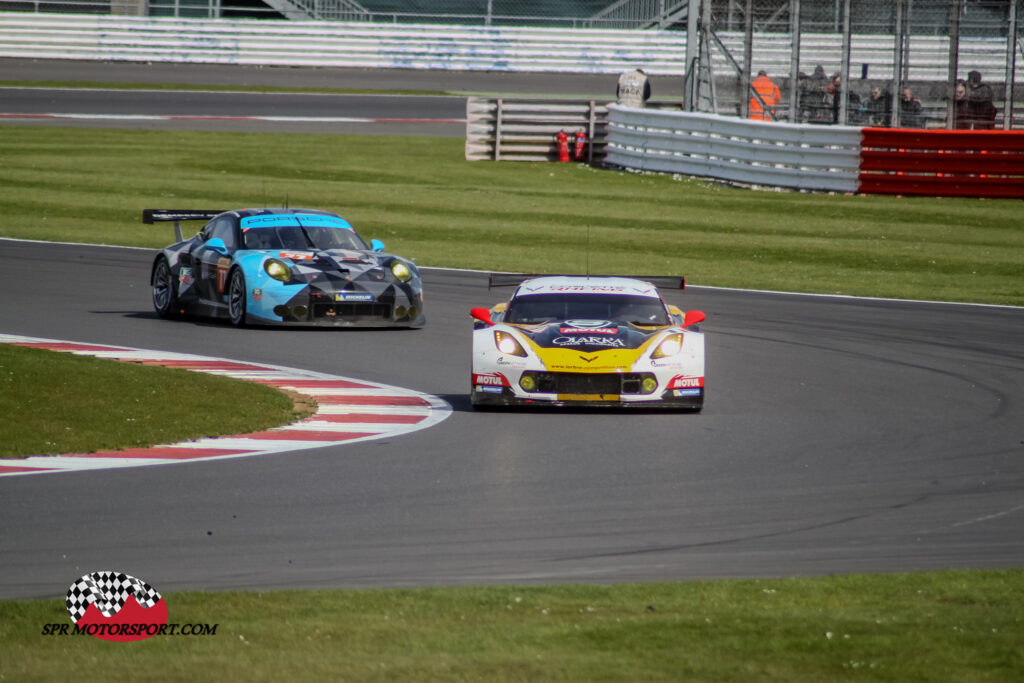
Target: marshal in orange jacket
<point>771,95</point>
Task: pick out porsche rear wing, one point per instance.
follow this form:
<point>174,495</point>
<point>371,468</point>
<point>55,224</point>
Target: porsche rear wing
<point>515,279</point>
<point>150,216</point>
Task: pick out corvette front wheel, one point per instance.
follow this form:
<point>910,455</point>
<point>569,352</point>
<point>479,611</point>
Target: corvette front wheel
<point>165,299</point>
<point>236,298</point>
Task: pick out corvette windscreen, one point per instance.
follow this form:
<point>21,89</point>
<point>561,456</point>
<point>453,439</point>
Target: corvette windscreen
<point>541,308</point>
<point>301,238</point>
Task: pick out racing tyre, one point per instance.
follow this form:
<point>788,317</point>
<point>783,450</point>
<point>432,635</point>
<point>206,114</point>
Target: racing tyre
<point>236,298</point>
<point>165,298</point>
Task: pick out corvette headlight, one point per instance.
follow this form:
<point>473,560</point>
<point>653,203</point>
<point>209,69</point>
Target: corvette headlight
<point>401,271</point>
<point>507,344</point>
<point>669,346</point>
<point>279,270</point>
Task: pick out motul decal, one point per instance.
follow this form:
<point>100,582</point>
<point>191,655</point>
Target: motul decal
<point>685,382</point>
<point>588,330</point>
<point>493,379</point>
<point>295,255</point>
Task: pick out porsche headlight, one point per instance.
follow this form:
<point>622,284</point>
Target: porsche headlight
<point>507,344</point>
<point>669,346</point>
<point>279,270</point>
<point>401,271</point>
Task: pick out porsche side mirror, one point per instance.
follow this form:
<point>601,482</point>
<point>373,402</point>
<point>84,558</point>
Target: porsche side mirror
<point>376,245</point>
<point>693,317</point>
<point>483,315</point>
<point>217,245</point>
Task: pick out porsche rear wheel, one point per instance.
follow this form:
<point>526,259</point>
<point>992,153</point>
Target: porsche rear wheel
<point>165,299</point>
<point>236,297</point>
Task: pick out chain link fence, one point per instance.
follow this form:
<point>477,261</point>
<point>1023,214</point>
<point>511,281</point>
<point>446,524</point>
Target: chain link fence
<point>906,63</point>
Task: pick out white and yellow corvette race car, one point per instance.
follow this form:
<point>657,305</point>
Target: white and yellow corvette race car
<point>587,341</point>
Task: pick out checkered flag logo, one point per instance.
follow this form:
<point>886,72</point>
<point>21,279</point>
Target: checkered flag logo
<point>109,591</point>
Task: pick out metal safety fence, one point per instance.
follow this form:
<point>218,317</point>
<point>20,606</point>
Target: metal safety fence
<point>901,63</point>
<point>847,159</point>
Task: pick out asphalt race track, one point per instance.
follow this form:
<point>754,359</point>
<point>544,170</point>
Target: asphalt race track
<point>839,436</point>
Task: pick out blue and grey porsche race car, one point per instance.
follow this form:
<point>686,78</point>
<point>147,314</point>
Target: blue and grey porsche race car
<point>283,267</point>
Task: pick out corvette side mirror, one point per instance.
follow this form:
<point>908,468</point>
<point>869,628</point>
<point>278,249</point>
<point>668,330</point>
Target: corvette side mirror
<point>483,315</point>
<point>693,317</point>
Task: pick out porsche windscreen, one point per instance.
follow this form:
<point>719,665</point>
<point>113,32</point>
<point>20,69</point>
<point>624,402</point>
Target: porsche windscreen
<point>300,233</point>
<point>541,308</point>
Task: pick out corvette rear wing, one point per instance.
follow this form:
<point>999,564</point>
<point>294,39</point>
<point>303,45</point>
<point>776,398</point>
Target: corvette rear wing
<point>515,279</point>
<point>150,216</point>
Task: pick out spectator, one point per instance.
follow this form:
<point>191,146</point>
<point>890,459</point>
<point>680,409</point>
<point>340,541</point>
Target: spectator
<point>834,95</point>
<point>769,94</point>
<point>877,110</point>
<point>814,101</point>
<point>911,111</point>
<point>960,114</point>
<point>634,88</point>
<point>980,110</point>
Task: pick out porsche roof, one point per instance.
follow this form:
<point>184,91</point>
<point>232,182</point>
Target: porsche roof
<point>565,284</point>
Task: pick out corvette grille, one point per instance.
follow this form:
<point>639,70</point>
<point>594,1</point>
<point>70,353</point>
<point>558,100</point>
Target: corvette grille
<point>588,383</point>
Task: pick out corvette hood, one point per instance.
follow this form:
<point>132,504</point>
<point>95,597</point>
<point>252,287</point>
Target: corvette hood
<point>589,345</point>
<point>589,335</point>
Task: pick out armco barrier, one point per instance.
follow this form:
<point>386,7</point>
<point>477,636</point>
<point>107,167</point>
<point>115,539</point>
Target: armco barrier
<point>820,158</point>
<point>943,163</point>
<point>518,129</point>
<point>824,158</point>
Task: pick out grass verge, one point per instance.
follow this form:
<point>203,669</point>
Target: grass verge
<point>936,626</point>
<point>426,202</point>
<point>61,403</point>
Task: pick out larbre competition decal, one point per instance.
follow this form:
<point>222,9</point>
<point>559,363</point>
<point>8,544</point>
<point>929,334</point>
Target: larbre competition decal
<point>348,410</point>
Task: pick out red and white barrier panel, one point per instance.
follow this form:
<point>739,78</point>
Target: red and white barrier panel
<point>942,163</point>
<point>348,410</point>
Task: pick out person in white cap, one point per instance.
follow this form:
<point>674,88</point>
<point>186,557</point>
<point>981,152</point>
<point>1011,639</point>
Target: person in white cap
<point>634,88</point>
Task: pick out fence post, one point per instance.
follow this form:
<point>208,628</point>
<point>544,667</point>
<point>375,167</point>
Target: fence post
<point>954,64</point>
<point>844,79</point>
<point>497,132</point>
<point>1011,63</point>
<point>590,135</point>
<point>794,60</point>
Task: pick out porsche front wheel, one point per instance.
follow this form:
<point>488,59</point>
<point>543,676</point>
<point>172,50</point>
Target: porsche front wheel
<point>236,297</point>
<point>165,299</point>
